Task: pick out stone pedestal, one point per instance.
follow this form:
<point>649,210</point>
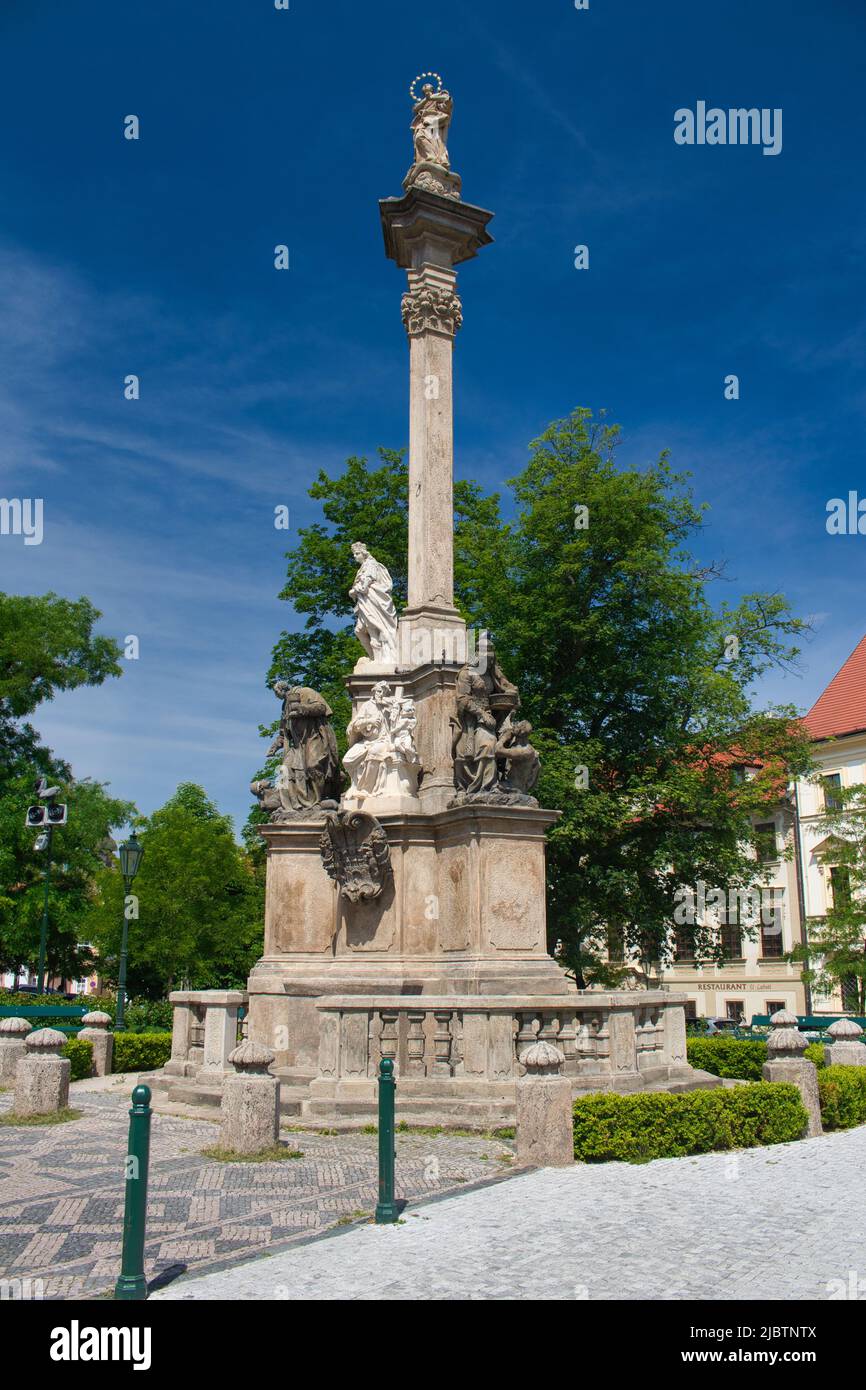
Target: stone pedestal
<point>846,1049</point>
<point>785,1062</point>
<point>42,1076</point>
<point>13,1033</point>
<point>96,1032</point>
<point>802,1074</point>
<point>250,1108</point>
<point>461,913</point>
<point>545,1126</point>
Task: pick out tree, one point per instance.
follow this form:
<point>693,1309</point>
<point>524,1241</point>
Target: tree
<point>637,688</point>
<point>48,644</point>
<point>79,850</point>
<point>198,901</point>
<point>835,958</point>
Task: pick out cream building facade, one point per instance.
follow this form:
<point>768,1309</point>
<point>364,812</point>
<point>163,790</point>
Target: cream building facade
<point>754,978</point>
<point>837,722</point>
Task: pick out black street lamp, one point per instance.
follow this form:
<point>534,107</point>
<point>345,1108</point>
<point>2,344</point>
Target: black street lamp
<point>130,857</point>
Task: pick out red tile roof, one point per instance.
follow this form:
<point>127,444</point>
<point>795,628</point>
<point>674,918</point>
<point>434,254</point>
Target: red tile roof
<point>842,707</point>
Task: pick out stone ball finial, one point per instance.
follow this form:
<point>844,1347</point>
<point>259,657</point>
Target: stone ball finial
<point>14,1028</point>
<point>542,1059</point>
<point>97,1019</point>
<point>45,1041</point>
<point>251,1057</point>
<point>785,1038</point>
<point>844,1028</point>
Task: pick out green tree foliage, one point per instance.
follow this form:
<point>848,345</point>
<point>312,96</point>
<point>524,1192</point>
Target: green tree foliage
<point>625,669</point>
<point>78,852</point>
<point>835,958</point>
<point>200,903</point>
<point>48,644</point>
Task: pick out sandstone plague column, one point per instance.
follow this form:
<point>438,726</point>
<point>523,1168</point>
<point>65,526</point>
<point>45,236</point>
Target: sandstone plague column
<point>427,234</point>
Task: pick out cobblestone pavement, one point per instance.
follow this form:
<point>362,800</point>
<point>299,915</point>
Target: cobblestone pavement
<point>62,1192</point>
<point>775,1223</point>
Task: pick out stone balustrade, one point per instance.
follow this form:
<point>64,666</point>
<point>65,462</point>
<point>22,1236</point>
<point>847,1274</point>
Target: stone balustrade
<point>204,1031</point>
<point>471,1047</point>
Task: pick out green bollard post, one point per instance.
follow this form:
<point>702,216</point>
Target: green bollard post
<point>132,1285</point>
<point>387,1208</point>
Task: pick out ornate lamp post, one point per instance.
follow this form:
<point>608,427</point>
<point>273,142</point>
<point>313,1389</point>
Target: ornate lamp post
<point>130,857</point>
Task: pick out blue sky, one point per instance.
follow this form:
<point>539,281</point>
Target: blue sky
<point>261,127</point>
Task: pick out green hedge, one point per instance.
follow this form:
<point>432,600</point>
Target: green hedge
<point>141,1051</point>
<point>657,1125</point>
<point>140,1015</point>
<point>843,1096</point>
<point>80,1053</point>
<point>132,1052</point>
<point>738,1058</point>
<point>731,1057</point>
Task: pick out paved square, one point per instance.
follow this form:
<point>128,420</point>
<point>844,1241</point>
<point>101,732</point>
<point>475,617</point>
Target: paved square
<point>62,1192</point>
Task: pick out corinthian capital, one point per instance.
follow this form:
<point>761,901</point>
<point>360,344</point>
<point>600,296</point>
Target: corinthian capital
<point>431,307</point>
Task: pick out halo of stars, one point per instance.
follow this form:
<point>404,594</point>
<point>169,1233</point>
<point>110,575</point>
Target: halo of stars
<point>420,78</point>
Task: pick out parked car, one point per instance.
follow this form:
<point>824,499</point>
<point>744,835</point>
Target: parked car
<point>731,1026</point>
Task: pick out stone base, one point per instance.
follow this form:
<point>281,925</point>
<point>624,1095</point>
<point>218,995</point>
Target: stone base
<point>802,1074</point>
<point>545,1132</point>
<point>250,1113</point>
<point>462,913</point>
<point>42,1085</point>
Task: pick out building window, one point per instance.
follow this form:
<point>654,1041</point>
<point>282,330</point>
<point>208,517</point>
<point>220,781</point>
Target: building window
<point>850,993</point>
<point>615,943</point>
<point>738,774</point>
<point>765,841</point>
<point>735,1009</point>
<point>832,783</point>
<point>731,937</point>
<point>684,938</point>
<point>770,940</point>
<point>775,1006</point>
<point>691,1010</point>
<point>840,885</point>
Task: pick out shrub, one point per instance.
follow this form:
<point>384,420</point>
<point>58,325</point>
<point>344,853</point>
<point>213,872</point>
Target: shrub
<point>148,1016</point>
<point>738,1058</point>
<point>80,1053</point>
<point>141,1051</point>
<point>657,1125</point>
<point>843,1096</point>
<point>731,1057</point>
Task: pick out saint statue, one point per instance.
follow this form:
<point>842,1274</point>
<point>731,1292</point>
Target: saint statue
<point>431,120</point>
<point>381,760</point>
<point>375,614</point>
<point>493,759</point>
<point>308,778</point>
